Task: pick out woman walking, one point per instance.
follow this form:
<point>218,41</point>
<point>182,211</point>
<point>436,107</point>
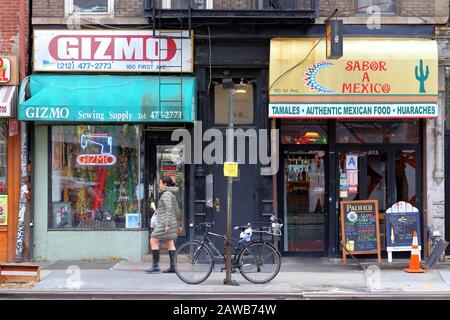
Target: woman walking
<point>166,227</point>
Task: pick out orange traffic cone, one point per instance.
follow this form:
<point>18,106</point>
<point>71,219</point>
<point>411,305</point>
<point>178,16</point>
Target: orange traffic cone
<point>414,265</point>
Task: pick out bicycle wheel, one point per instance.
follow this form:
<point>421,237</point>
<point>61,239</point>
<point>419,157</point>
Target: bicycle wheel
<point>193,262</point>
<point>259,262</point>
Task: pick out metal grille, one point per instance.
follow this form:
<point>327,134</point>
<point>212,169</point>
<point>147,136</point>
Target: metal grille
<point>272,5</point>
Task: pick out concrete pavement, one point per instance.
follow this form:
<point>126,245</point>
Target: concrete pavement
<point>307,278</point>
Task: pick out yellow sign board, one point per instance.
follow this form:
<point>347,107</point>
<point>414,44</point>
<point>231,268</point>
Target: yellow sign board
<point>3,210</point>
<point>230,169</point>
<point>9,71</point>
<point>372,73</point>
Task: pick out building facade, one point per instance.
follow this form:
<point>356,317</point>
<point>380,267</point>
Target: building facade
<point>97,154</point>
<point>13,67</point>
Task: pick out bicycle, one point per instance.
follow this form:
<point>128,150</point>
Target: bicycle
<point>257,260</point>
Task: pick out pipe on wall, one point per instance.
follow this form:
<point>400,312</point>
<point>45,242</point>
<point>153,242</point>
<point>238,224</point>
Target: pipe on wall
<point>22,239</point>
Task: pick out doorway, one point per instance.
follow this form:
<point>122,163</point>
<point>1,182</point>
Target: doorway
<point>245,196</point>
<point>305,201</point>
<point>304,186</point>
<point>164,157</point>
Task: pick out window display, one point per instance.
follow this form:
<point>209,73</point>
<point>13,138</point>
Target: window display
<point>378,132</point>
<point>303,132</point>
<point>95,177</point>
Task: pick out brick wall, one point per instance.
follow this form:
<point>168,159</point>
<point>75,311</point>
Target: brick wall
<point>327,6</point>
<point>9,27</point>
<point>48,8</point>
<point>128,8</point>
<point>133,8</point>
<point>422,8</point>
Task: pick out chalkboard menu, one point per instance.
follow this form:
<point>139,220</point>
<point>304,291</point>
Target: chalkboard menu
<point>360,228</point>
<point>402,219</point>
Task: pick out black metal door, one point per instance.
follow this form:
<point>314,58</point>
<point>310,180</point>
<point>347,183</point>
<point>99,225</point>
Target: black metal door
<point>244,201</point>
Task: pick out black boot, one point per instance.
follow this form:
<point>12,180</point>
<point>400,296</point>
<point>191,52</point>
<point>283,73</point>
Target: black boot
<point>155,266</point>
<point>172,262</point>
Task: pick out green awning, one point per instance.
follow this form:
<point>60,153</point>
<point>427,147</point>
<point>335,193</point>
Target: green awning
<point>109,98</point>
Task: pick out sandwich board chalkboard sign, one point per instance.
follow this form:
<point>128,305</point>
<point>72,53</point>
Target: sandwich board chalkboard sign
<point>402,219</point>
<point>360,228</point>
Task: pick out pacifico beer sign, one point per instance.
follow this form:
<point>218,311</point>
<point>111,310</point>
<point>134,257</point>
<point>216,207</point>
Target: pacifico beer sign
<point>375,78</point>
<point>112,51</point>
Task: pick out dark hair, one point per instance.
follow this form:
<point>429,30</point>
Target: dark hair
<point>167,180</point>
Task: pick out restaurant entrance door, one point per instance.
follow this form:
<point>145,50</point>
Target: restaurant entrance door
<point>305,201</point>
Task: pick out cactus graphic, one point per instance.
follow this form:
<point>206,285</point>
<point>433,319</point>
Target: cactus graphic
<point>421,77</point>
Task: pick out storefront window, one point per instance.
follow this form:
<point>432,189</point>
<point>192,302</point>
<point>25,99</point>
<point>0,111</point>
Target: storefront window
<point>170,163</point>
<point>370,182</point>
<point>96,178</point>
<point>303,132</point>
<point>3,155</point>
<point>378,132</point>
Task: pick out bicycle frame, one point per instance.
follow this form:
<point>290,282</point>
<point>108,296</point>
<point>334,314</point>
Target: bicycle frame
<point>210,245</point>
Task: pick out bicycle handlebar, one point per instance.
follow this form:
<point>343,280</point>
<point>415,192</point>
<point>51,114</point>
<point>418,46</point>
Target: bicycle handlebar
<point>272,228</point>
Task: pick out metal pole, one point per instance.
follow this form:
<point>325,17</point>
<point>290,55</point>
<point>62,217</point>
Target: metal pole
<point>230,158</point>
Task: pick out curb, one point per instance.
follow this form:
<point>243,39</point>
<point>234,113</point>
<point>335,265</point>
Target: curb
<point>144,295</point>
<point>394,295</point>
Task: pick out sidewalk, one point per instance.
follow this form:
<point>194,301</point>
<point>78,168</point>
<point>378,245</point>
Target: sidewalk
<point>299,277</point>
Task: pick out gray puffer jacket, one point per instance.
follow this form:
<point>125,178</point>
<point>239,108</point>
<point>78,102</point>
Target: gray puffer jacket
<point>167,210</point>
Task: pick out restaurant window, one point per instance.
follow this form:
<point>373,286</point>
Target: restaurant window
<point>95,178</point>
<point>242,105</point>
<point>378,132</point>
<point>303,132</point>
<point>90,6</point>
<point>405,176</point>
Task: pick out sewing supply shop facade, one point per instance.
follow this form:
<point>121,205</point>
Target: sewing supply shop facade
<point>352,128</point>
<point>103,105</point>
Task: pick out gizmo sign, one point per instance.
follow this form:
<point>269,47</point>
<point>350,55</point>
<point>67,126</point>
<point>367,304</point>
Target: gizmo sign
<point>109,51</point>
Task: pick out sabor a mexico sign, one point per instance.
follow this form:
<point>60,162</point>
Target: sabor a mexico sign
<point>112,51</point>
<point>375,78</point>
